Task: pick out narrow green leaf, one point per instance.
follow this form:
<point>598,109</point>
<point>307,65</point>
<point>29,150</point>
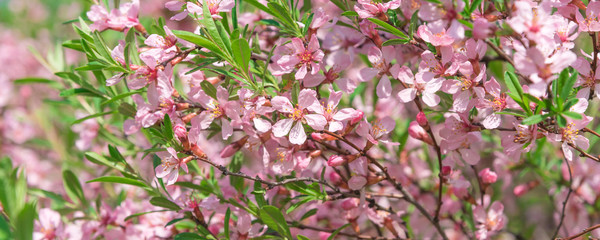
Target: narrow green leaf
<point>198,40</point>
<point>391,29</point>
<point>272,217</point>
<point>226,223</point>
<point>120,96</point>
<point>241,53</point>
<point>573,115</point>
<point>122,180</point>
<point>165,203</point>
<point>534,119</point>
<point>337,231</point>
<point>350,14</point>
<point>209,89</point>
<point>24,222</point>
<point>395,41</point>
<point>73,187</point>
<point>95,115</point>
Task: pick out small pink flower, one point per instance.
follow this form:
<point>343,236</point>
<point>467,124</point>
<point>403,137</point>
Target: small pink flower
<point>307,58</point>
<point>520,190</point>
<point>590,23</point>
<point>374,133</point>
<point>126,16</point>
<point>367,8</point>
<point>214,7</point>
<point>491,222</point>
<point>307,102</point>
<point>336,160</point>
<point>488,176</point>
<point>423,84</point>
<point>435,34</point>
<point>489,108</point>
<point>417,132</point>
<point>169,167</point>
<point>49,225</point>
<point>221,109</point>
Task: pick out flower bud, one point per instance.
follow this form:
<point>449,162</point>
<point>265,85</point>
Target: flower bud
<point>336,160</point>
<point>180,131</point>
<point>358,115</point>
<point>446,170</point>
<point>487,176</point>
<point>422,120</point>
<point>350,203</point>
<point>315,153</point>
<point>188,118</point>
<point>198,152</point>
<point>182,106</point>
<point>520,190</point>
<point>417,132</point>
<point>234,147</point>
<point>334,177</point>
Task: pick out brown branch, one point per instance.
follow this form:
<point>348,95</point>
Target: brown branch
<point>590,131</point>
<point>181,55</point>
<point>564,205</point>
<point>587,230</point>
<point>583,153</point>
<point>354,236</point>
<point>507,58</point>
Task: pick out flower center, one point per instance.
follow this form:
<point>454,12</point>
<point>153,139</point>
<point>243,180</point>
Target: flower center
<point>217,111</point>
<point>378,129</point>
<point>297,114</point>
<point>305,57</point>
<point>465,83</point>
<point>499,103</point>
<point>522,137</point>
<point>569,133</point>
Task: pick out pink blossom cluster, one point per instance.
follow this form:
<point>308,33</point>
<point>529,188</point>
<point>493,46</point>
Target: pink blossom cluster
<point>381,119</point>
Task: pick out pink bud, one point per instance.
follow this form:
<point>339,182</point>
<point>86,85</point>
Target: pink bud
<point>488,176</point>
<point>335,160</point>
<point>350,203</point>
<point>422,120</point>
<point>519,190</point>
<point>417,132</point>
<point>334,177</point>
<point>358,115</point>
<point>180,131</point>
<point>446,170</point>
<point>229,150</point>
<point>317,136</point>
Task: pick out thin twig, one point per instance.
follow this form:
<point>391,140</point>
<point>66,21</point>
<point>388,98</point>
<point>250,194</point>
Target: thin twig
<point>564,205</point>
<point>355,236</point>
<point>507,58</point>
<point>587,230</point>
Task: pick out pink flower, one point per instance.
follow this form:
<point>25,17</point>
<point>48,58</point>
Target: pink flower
<point>307,102</point>
<point>448,66</point>
<point>126,16</point>
<point>357,182</point>
<point>374,133</point>
<point>307,58</point>
<point>214,7</point>
<point>221,109</point>
<point>458,138</point>
<point>417,132</point>
<point>49,225</point>
<point>367,8</point>
<point>520,140</point>
<point>380,60</point>
<point>488,176</point>
<point>491,222</point>
<point>590,23</point>
<point>335,161</point>
<point>423,84</point>
<point>463,87</point>
<point>435,34</point>
<point>488,108</point>
<point>169,167</point>
<point>540,66</point>
<point>334,116</point>
<point>570,135</point>
<point>585,79</point>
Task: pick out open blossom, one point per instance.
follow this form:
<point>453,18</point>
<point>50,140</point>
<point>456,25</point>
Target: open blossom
<point>308,58</point>
<point>488,108</point>
<point>367,8</point>
<point>296,116</point>
<point>588,79</point>
<point>49,225</point>
<point>376,132</point>
<point>424,84</point>
<point>334,116</point>
<point>490,222</point>
<point>520,140</point>
<point>220,108</point>
<point>168,169</point>
<point>590,23</point>
<point>436,34</point>
<point>569,135</point>
<point>541,66</point>
<point>126,16</point>
<point>465,86</point>
<point>214,7</point>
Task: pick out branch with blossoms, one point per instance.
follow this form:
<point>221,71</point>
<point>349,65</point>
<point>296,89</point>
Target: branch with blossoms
<point>324,119</point>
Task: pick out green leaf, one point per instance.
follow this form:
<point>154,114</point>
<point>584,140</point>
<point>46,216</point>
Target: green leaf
<point>120,96</point>
<point>241,53</point>
<point>568,86</point>
<point>92,116</point>
<point>272,217</point>
<point>101,160</point>
<point>201,188</point>
<point>562,121</point>
<point>5,232</point>
<point>140,214</point>
<point>199,41</point>
<point>391,29</point>
<point>413,24</point>
<point>165,203</point>
<point>476,4</point>
<point>24,222</point>
<point>167,127</point>
<point>34,80</point>
<point>208,22</point>
<point>395,41</point>
<point>79,91</point>
<point>209,89</point>
<point>534,119</point>
<point>337,231</point>
<point>226,221</point>
<point>573,115</point>
<point>309,214</point>
<point>122,180</point>
<point>188,236</point>
<point>73,187</point>
<point>350,14</point>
